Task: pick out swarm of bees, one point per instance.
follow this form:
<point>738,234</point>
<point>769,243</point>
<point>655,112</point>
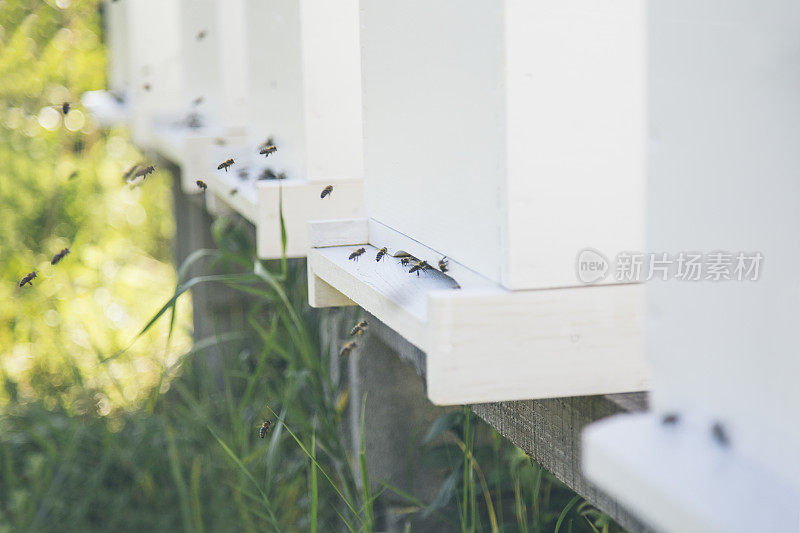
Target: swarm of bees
<point>202,185</point>
<point>28,279</point>
<point>59,256</point>
<point>262,431</point>
<point>359,329</point>
<point>326,191</point>
<point>225,164</point>
<point>355,255</point>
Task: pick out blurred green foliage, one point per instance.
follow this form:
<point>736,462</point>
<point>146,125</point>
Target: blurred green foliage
<point>61,186</point>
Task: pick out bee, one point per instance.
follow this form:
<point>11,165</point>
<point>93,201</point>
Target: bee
<point>225,165</point>
<point>347,348</point>
<point>268,174</point>
<point>146,87</point>
<point>28,279</point>
<point>201,35</point>
<point>194,121</point>
<point>326,191</point>
<point>359,328</point>
<point>233,191</point>
<point>443,264</point>
<point>220,141</point>
<point>282,176</point>
<point>670,419</point>
<point>268,149</point>
<point>197,101</point>
<point>383,251</point>
<point>405,261</point>
<point>243,174</point>
<point>144,172</point>
<point>720,435</point>
<point>65,107</point>
<point>59,256</point>
<point>202,185</point>
<point>355,255</point>
<point>418,266</point>
<point>262,431</point>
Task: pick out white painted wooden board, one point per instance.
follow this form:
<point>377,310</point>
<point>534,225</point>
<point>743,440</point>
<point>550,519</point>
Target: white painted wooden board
<point>153,26</point>
<point>508,135</point>
<point>118,43</point>
<point>304,86</point>
<point>677,479</point>
<point>722,176</point>
<point>483,342</point>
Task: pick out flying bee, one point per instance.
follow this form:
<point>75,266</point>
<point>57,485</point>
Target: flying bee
<point>59,256</point>
<point>359,328</point>
<point>28,279</point>
<point>383,251</point>
<point>670,419</point>
<point>225,165</point>
<point>262,431</point>
<point>720,435</point>
<point>201,35</point>
<point>347,348</point>
<point>144,172</point>
<point>202,185</point>
<point>326,191</point>
<point>443,264</point>
<point>233,192</point>
<point>419,266</point>
<point>65,107</point>
<point>129,173</point>
<point>268,149</point>
<point>146,87</point>
<point>220,141</point>
<point>243,174</point>
<point>194,121</point>
<point>197,101</point>
<point>355,255</point>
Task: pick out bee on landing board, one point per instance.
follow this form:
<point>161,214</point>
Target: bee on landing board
<point>359,328</point>
<point>326,191</point>
<point>443,264</point>
<point>355,255</point>
<point>419,266</point>
<point>28,279</point>
<point>347,349</point>
<point>262,432</point>
<point>59,256</point>
<point>202,185</point>
<point>383,251</point>
<point>225,165</point>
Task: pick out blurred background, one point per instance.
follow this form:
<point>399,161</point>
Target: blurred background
<point>115,415</point>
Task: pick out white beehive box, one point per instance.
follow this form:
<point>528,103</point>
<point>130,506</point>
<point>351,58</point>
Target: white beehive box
<point>508,137</point>
<point>722,177</point>
<point>302,63</point>
<point>213,92</point>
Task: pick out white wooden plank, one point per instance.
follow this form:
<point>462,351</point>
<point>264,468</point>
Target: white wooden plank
<point>331,73</point>
<point>339,232</point>
<point>301,204</point>
<point>679,479</point>
<point>575,134</point>
<point>322,295</point>
<point>490,346</point>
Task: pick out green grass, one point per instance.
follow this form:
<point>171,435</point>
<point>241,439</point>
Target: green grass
<point>111,419</point>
